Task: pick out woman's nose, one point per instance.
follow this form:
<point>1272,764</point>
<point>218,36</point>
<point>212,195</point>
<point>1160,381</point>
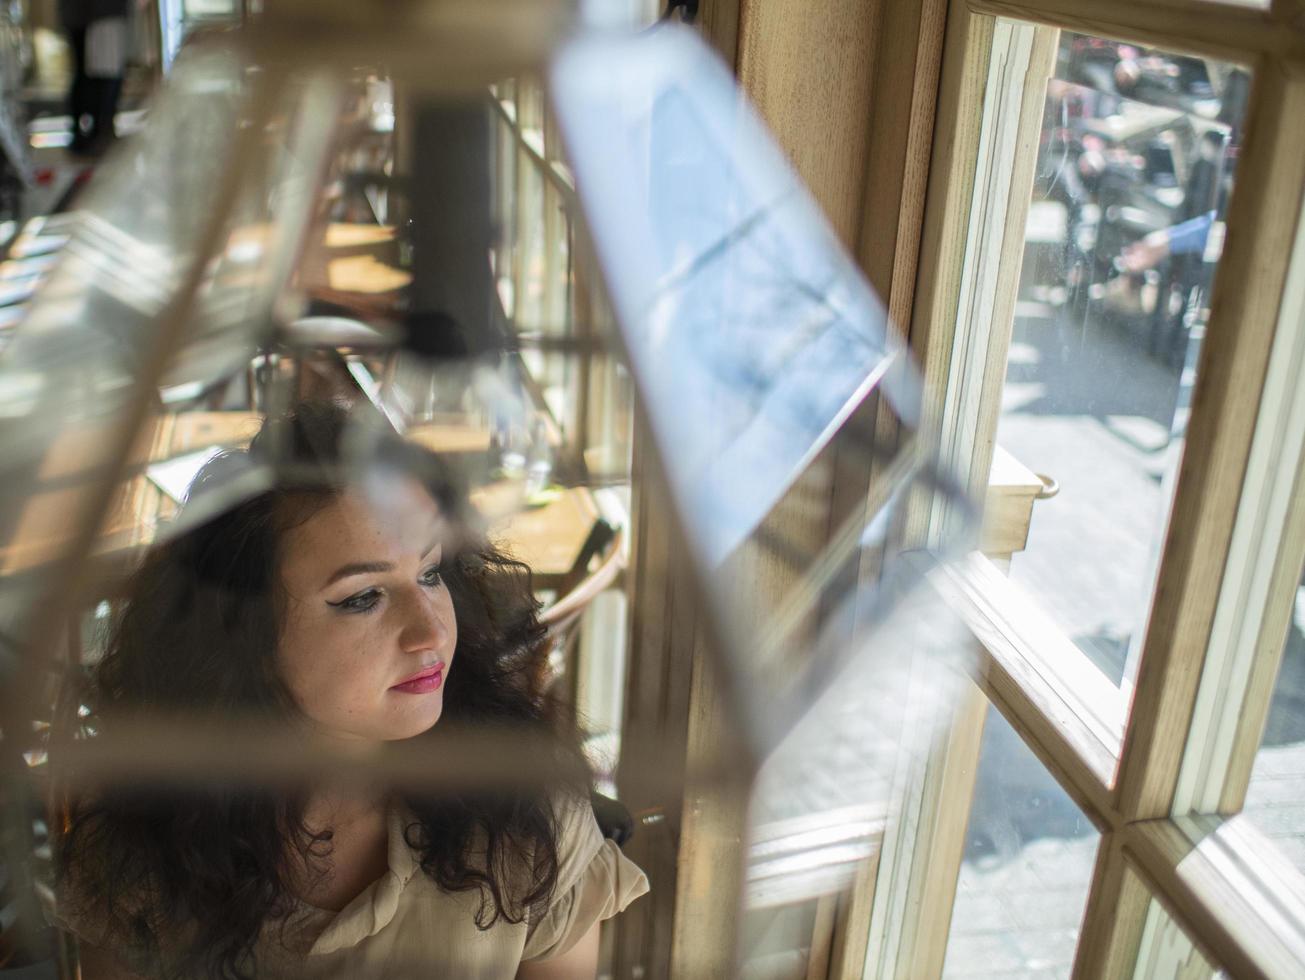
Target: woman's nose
<point>423,627</point>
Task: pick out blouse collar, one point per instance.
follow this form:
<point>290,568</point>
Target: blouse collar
<point>374,907</point>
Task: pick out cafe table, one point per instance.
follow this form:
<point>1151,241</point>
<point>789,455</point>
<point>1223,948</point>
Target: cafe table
<point>547,533</point>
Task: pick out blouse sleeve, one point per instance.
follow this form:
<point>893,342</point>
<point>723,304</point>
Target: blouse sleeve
<point>595,882</point>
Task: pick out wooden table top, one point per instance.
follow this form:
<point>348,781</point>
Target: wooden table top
<point>547,537</point>
<point>354,265</point>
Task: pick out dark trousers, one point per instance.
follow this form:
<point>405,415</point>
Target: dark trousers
<point>92,102</point>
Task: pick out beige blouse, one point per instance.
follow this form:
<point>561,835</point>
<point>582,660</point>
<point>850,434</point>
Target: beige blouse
<point>403,925</point>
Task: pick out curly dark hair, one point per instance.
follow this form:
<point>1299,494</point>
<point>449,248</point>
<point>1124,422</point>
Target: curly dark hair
<point>185,880</point>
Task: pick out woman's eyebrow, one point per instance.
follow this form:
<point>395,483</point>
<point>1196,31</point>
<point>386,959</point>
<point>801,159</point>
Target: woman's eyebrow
<point>371,567</point>
<point>358,568</point>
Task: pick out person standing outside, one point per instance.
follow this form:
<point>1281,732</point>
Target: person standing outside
<point>97,38</point>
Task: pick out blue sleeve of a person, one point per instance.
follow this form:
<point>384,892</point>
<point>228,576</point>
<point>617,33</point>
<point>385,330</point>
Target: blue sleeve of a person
<point>1189,237</point>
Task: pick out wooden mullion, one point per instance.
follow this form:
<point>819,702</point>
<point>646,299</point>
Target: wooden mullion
<point>904,87</point>
<point>1214,28</point>
<point>1050,718</point>
<point>1215,877</point>
<point>712,858</point>
<point>913,179</point>
<point>923,845</point>
<point>967,48</point>
<point>654,719</point>
<point>1289,565</point>
<point>1247,291</point>
<point>917,881</point>
<point>904,90</point>
<point>1000,313</point>
<point>936,869</point>
<point>962,324</point>
<point>852,923</point>
<point>1114,916</point>
<point>1261,578</point>
<point>822,938</point>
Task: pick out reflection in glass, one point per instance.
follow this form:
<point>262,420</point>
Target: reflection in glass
<point>1275,799</point>
<point>1137,158</point>
<point>1027,868</point>
<point>762,355</point>
<point>738,307</point>
<point>788,943</point>
<point>751,333</point>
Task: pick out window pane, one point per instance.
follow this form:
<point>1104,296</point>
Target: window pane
<point>1137,157</point>
<point>1276,797</point>
<point>1027,868</point>
<point>782,943</point>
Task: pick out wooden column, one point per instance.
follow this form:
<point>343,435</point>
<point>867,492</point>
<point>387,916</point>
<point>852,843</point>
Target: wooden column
<point>815,74</point>
<point>808,70</point>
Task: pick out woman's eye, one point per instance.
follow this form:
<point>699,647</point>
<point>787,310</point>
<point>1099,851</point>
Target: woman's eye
<point>431,577</point>
<point>362,602</point>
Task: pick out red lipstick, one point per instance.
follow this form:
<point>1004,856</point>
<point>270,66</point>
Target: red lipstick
<point>422,682</point>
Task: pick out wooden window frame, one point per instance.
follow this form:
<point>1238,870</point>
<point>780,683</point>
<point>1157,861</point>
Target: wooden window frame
<point>1164,787</point>
<point>1129,771</point>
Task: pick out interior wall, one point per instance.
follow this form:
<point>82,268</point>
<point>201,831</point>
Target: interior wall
<point>808,69</point>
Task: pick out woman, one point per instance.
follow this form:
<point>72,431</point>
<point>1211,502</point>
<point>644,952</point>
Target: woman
<point>365,612</point>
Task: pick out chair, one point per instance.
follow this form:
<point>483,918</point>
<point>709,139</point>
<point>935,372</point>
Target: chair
<point>578,590</point>
<point>581,586</point>
<point>329,355</point>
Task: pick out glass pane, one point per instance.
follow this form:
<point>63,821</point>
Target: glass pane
<point>1027,868</point>
<point>1276,797</point>
<point>781,943</point>
<point>1137,157</point>
<point>1167,953</point>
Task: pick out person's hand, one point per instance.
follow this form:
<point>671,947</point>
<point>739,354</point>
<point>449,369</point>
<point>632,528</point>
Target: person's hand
<point>1145,254</point>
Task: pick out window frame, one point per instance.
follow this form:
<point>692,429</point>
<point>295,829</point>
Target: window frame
<point>925,127</point>
<point>1152,842</point>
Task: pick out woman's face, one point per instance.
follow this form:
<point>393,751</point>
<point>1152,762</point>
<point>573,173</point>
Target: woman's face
<point>368,632</point>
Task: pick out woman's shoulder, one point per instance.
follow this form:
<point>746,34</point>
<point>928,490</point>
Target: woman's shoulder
<point>595,881</point>
<point>578,837</point>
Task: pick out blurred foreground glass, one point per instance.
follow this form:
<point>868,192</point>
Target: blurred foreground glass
<point>109,327</point>
<point>1027,868</point>
<point>752,337</point>
<point>1136,161</point>
<point>762,358</point>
